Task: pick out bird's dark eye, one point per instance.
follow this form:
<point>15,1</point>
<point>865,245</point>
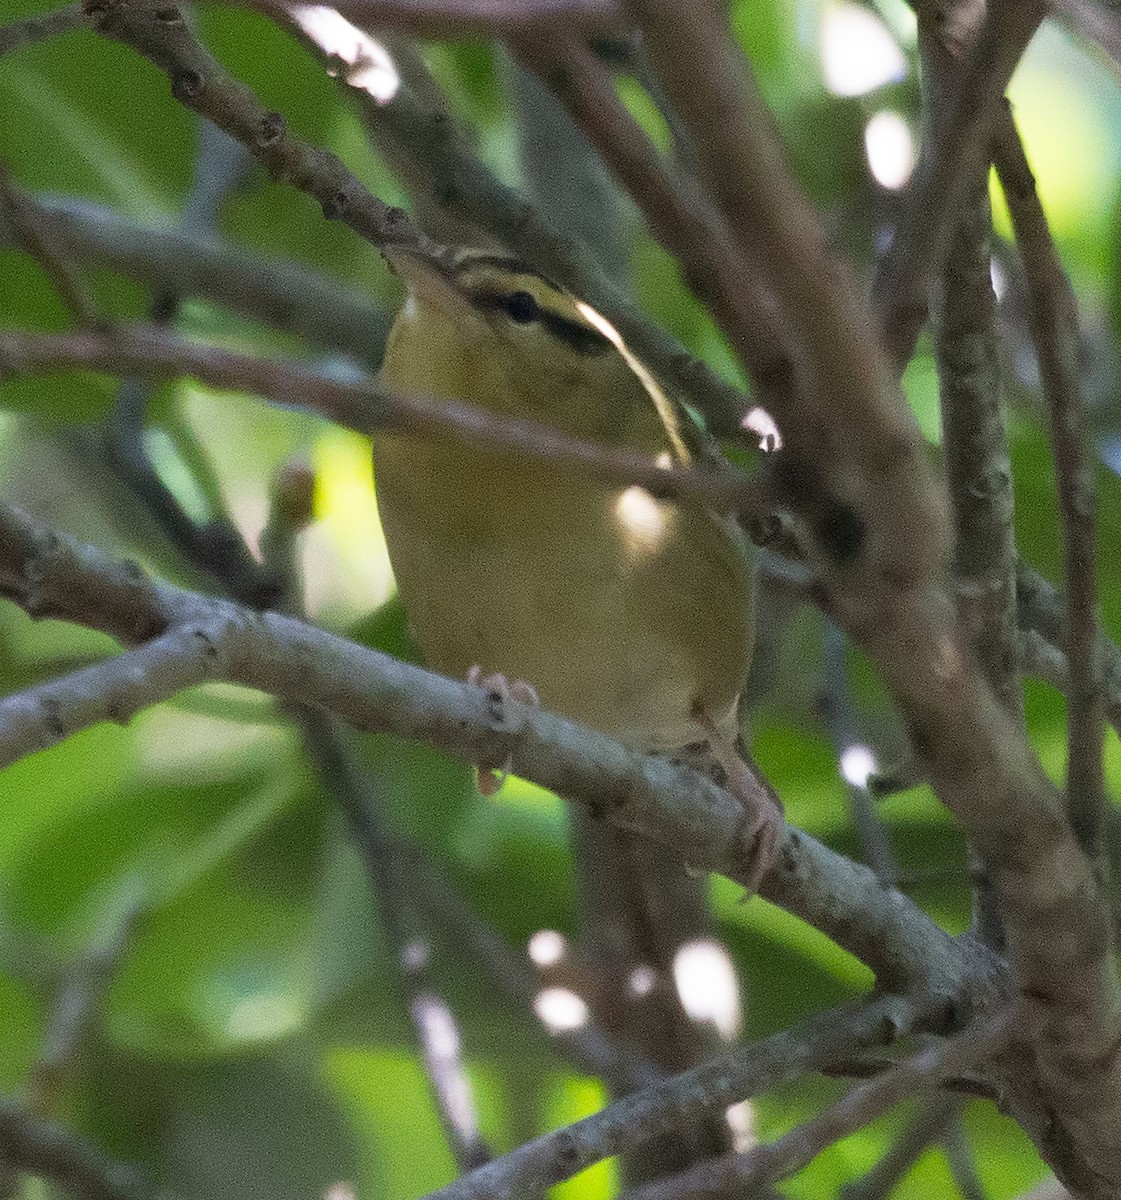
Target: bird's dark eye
<point>521,307</point>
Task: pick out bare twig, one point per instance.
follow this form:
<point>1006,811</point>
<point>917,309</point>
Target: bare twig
<point>948,169</point>
<point>392,886</point>
<point>34,230</point>
<point>363,406</point>
<point>975,446</point>
<point>36,29</point>
<point>1054,326</point>
<point>589,1046</point>
<point>51,1152</point>
<point>1094,20</point>
<point>925,1126</point>
<point>217,547</point>
<point>197,80</point>
<point>278,294</point>
<point>710,1087</point>
<point>1042,659</point>
<point>677,211</point>
<point>840,719</point>
<point>81,989</point>
<point>495,18</point>
<point>791,1152</point>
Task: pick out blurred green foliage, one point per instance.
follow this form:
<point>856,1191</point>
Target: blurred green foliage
<point>251,1041</point>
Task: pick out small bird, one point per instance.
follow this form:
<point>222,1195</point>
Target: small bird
<point>626,613</point>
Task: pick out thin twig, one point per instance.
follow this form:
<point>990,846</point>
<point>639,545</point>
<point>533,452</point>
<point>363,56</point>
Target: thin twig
<point>217,547</point>
<point>840,718</point>
<point>81,989</point>
<point>198,81</point>
<point>65,1158</point>
<point>678,213</point>
<point>925,1126</point>
<point>34,230</point>
<point>975,447</point>
<point>791,1152</point>
<point>280,295</point>
<point>38,28</point>
<point>1042,659</point>
<point>962,1159</point>
<point>434,1026</point>
<point>494,18</point>
<point>1094,20</point>
<point>1053,319</point>
<point>974,441</point>
<point>947,173</point>
<point>589,1047</point>
<point>711,1087</point>
<point>361,405</point>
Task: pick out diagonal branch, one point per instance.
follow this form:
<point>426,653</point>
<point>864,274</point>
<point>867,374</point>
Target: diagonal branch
<point>711,1087</point>
<point>954,154</point>
<point>791,1152</point>
<point>51,1152</point>
<point>183,639</point>
<point>365,407</point>
<point>281,295</point>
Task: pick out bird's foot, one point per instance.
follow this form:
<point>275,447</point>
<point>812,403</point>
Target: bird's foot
<point>764,812</point>
<point>487,779</point>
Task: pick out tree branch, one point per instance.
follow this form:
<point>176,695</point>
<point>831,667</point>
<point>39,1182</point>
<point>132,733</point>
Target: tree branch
<point>948,169</point>
<point>277,294</point>
<point>367,408</point>
<point>37,29</point>
<point>445,19</point>
<point>711,1087</point>
<point>1052,315</point>
<point>33,231</point>
<point>791,1152</point>
<point>51,1152</point>
<point>184,639</point>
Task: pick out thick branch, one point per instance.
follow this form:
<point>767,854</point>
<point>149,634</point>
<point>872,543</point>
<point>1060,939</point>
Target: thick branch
<point>190,639</point>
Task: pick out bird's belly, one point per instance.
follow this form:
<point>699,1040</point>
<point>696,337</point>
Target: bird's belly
<point>624,621</point>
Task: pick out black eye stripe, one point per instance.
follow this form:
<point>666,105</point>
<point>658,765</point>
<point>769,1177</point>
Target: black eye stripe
<point>582,339</point>
<point>577,337</point>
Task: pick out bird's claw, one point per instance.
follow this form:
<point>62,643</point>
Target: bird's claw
<point>489,780</point>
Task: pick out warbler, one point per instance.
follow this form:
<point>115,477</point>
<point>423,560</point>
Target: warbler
<point>626,613</point>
